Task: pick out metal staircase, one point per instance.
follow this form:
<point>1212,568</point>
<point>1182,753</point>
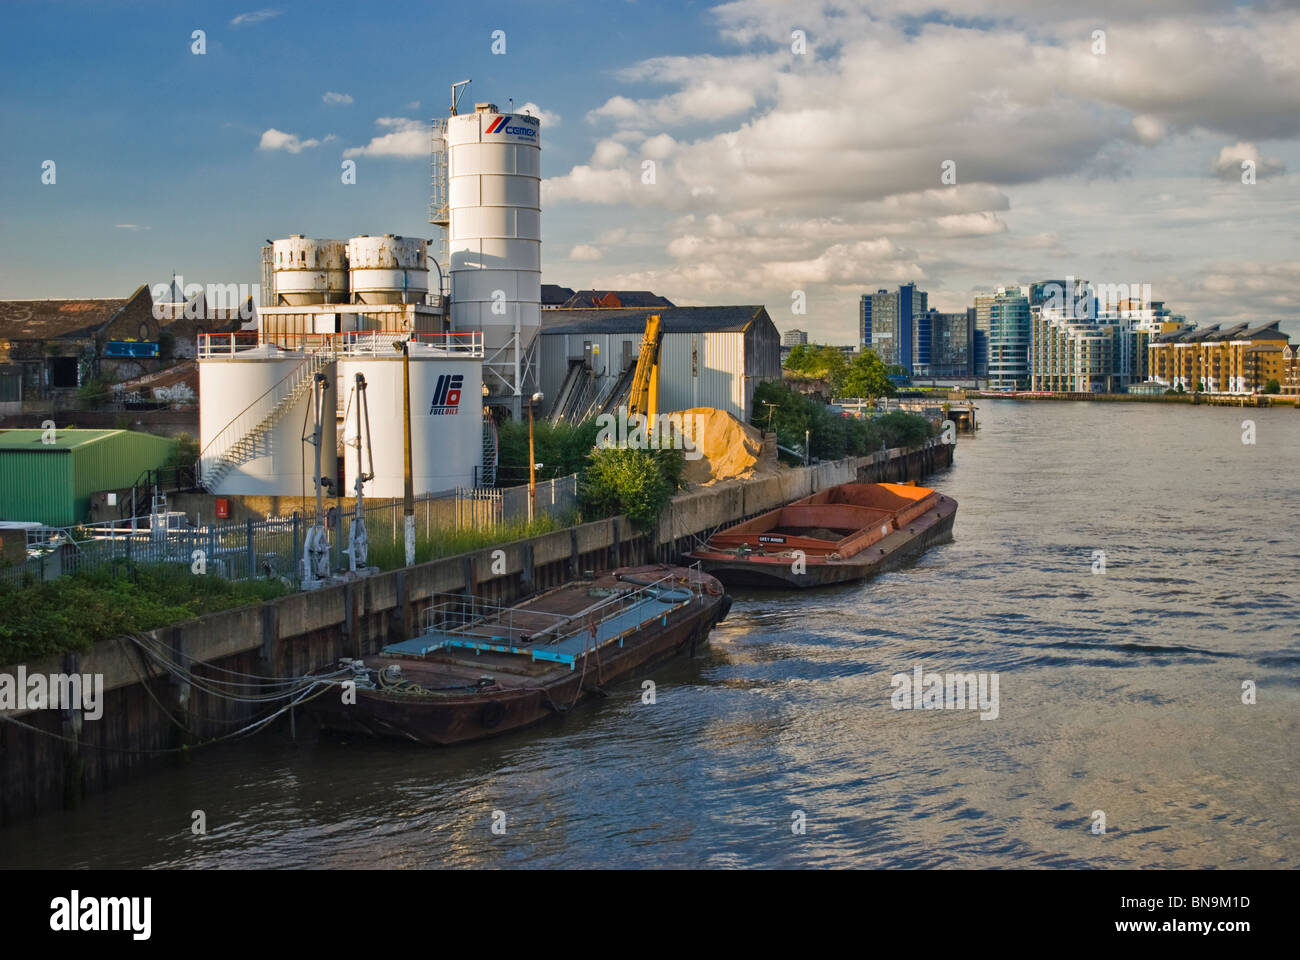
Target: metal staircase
<point>238,440</point>
<point>488,474</point>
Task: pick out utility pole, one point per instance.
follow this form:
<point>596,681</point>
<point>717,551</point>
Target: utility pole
<point>408,482</point>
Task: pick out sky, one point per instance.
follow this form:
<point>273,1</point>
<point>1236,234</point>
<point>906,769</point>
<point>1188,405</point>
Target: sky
<point>799,149</point>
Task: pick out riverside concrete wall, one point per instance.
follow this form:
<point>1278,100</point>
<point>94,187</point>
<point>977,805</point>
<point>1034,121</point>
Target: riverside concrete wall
<point>151,716</point>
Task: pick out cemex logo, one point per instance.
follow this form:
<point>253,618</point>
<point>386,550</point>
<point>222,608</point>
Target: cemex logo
<point>446,395</point>
<point>502,125</point>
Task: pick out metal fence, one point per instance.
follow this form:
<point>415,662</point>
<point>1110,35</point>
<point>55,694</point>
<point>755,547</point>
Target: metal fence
<point>491,507</point>
<point>272,548</point>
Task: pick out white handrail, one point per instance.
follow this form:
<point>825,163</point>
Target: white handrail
<point>254,415</point>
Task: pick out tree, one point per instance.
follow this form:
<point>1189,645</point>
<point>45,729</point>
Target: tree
<point>818,362</point>
<point>1272,387</point>
<point>562,447</point>
<point>831,436</point>
<point>867,377</point>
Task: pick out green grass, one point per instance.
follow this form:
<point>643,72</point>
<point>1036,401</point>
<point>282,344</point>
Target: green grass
<point>75,611</point>
<point>388,553</point>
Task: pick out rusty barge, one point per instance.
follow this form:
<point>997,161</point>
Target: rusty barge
<point>478,670</point>
<point>843,533</point>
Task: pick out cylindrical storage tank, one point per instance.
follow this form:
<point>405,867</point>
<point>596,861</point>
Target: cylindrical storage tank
<point>446,420</point>
<point>309,271</point>
<point>277,462</point>
<point>388,269</point>
<point>494,234</point>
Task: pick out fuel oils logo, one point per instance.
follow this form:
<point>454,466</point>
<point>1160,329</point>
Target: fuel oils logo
<point>446,395</point>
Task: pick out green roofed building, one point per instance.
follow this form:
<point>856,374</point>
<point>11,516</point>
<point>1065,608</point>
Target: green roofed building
<point>51,483</point>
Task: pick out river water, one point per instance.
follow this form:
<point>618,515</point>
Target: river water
<point>1119,692</point>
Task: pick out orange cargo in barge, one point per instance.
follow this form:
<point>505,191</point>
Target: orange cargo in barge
<point>848,532</point>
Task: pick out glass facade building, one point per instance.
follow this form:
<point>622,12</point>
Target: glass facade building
<point>1005,319</point>
<point>887,324</point>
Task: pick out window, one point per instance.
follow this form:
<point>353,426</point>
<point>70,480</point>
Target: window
<point>62,372</point>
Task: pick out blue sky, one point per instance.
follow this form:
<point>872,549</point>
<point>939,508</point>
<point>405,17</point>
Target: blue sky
<point>778,171</point>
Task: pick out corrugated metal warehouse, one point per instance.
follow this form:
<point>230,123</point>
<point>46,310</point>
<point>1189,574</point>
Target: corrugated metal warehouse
<point>51,483</point>
<point>710,356</point>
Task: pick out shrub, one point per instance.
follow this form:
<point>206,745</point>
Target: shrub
<point>74,611</point>
<point>636,483</point>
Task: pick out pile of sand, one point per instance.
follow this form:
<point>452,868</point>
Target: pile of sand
<point>727,448</point>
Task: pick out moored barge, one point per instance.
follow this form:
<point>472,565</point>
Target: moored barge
<point>478,670</point>
<point>843,533</point>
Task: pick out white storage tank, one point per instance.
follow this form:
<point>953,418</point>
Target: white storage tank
<point>388,269</point>
<point>309,271</point>
<point>446,420</point>
<point>494,235</point>
<point>235,392</point>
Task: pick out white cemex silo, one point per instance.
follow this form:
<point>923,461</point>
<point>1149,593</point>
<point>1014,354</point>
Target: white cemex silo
<point>446,418</point>
<point>252,410</point>
<point>494,242</point>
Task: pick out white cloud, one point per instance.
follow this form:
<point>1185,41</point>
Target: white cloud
<point>336,99</point>
<point>1149,129</point>
<point>589,184</point>
<point>585,251</point>
<point>406,138</point>
<point>658,147</point>
<point>1228,164</point>
<point>824,169</point>
<point>608,153</point>
<point>549,118</point>
<point>969,225</point>
<point>257,16</point>
<point>133,227</point>
<point>274,139</point>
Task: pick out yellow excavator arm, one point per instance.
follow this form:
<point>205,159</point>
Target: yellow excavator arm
<point>645,381</point>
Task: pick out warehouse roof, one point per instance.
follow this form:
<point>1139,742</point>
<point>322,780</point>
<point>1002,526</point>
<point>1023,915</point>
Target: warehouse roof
<point>632,319</point>
<point>554,295</point>
<point>616,298</point>
<point>1265,331</point>
<point>63,439</point>
<point>54,319</point>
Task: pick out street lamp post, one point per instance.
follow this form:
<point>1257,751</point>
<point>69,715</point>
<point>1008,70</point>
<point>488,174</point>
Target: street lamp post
<point>532,460</point>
